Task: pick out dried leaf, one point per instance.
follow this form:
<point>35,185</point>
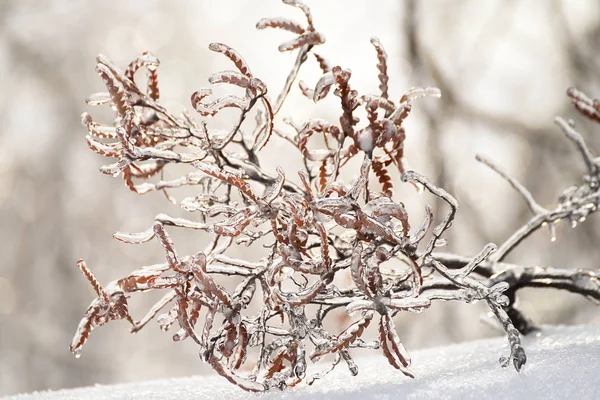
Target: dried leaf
<point>233,55</point>
<point>281,23</point>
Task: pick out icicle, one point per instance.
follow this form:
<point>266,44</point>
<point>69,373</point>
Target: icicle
<point>420,188</point>
<point>552,228</point>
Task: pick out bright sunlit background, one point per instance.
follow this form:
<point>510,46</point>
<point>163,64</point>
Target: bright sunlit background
<point>503,67</point>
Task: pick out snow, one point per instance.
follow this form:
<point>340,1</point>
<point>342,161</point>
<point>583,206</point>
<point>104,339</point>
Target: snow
<point>563,363</point>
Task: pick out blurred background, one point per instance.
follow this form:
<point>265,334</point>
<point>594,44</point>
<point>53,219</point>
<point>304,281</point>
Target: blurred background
<point>503,67</point>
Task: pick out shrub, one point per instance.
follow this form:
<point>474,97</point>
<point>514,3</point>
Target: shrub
<point>311,228</point>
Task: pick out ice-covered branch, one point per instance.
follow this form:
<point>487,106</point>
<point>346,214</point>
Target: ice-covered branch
<point>261,324</point>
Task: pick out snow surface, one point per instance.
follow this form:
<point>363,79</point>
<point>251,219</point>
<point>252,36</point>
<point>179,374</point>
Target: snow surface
<point>563,363</point>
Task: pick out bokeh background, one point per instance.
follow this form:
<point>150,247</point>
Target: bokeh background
<point>503,67</point>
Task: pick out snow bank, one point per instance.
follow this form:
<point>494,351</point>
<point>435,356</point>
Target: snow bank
<point>564,362</point>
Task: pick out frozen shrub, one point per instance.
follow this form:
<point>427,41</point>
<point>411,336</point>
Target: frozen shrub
<point>309,224</point>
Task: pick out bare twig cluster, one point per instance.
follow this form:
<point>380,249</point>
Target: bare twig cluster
<point>311,228</point>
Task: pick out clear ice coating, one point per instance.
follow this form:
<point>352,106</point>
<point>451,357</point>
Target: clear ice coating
<point>98,99</point>
<point>441,242</point>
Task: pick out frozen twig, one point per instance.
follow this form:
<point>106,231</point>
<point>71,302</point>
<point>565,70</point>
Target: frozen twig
<point>535,208</point>
<point>580,145</point>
